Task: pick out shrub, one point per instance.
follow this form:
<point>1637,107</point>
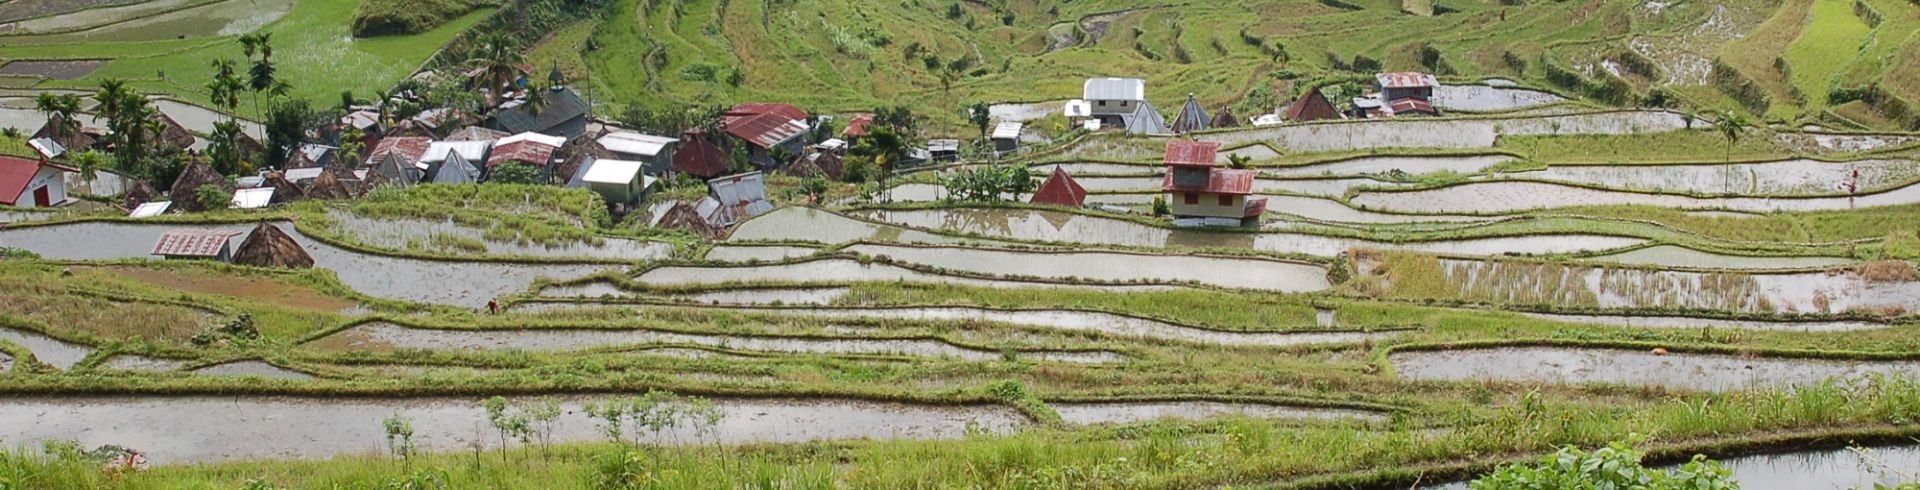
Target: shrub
<point>212,197</point>
<point>400,17</point>
<point>1614,466</point>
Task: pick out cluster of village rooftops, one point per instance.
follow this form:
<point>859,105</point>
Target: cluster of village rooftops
<point>567,146</point>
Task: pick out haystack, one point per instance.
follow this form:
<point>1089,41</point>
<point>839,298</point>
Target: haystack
<point>270,247</point>
<point>284,191</point>
<point>329,186</point>
<point>185,188</point>
<point>684,216</point>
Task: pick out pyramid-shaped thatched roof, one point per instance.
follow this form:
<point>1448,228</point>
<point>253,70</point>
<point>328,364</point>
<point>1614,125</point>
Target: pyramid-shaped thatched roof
<point>267,246</point>
<point>1225,119</point>
<point>329,186</point>
<point>197,175</point>
<point>138,193</point>
<point>284,191</point>
<point>684,216</point>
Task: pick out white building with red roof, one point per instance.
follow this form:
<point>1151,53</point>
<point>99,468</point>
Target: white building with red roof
<point>1202,194</point>
<point>30,183</point>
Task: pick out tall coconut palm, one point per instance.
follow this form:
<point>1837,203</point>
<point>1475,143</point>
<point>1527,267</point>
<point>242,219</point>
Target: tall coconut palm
<point>226,86</point>
<point>1730,126</point>
<point>498,61</point>
<point>60,110</point>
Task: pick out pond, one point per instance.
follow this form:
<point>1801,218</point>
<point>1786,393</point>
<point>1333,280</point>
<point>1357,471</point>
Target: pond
<point>1499,197</point>
<point>207,429</point>
<point>1091,413</point>
<point>843,271</point>
<point>1055,226</point>
<point>1247,273</point>
<point>387,336</point>
<point>1107,323</point>
<point>467,284</point>
<point>1702,372</point>
<point>420,234</point>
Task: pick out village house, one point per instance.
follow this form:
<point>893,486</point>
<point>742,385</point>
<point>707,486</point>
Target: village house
<point>1192,117</point>
<point>656,151</point>
<point>700,156</point>
<point>29,183</point>
<point>1006,136</point>
<point>734,198</point>
<point>455,155</point>
<point>195,244</point>
<point>531,149</point>
<point>1202,194</point>
<point>764,127</point>
<point>620,182</point>
<point>397,158</point>
<point>1119,103</point>
<point>1405,93</point>
<point>857,126</point>
<point>561,113</point>
<point>1061,190</point>
<point>1312,106</point>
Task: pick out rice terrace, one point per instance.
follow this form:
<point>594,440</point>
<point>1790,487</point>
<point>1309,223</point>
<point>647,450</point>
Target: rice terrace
<point>965,244</point>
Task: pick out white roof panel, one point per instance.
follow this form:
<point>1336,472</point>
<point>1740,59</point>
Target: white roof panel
<point>553,141</point>
<point>1078,108</point>
<point>613,171</point>
<point>470,150</point>
<point>151,209</point>
<point>635,143</point>
<point>1115,89</point>
<point>254,198</point>
<point>1008,130</point>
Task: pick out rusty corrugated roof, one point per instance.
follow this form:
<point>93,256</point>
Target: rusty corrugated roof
<point>193,243</point>
<point>1219,181</point>
<point>1187,153</point>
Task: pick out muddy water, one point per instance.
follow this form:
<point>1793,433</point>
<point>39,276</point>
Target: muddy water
<point>1053,226</point>
<point>1509,197</point>
<point>390,336</point>
<point>240,369</point>
<point>418,234</point>
<point>1809,470</point>
<point>1090,321</point>
<point>468,284</point>
<point>809,224</point>
<point>48,350</point>
<point>1706,372</point>
<point>1809,292</point>
<point>764,253</point>
<point>1131,412</point>
<point>1272,275</point>
<point>1694,323</point>
<point>178,430</point>
<point>1386,164</point>
<point>1676,256</point>
<point>1782,178</point>
<point>842,271</point>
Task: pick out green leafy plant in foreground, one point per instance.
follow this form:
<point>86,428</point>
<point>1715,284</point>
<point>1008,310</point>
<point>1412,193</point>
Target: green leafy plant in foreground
<point>1616,466</point>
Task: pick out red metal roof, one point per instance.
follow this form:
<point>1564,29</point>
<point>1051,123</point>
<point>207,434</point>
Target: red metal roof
<point>857,126</point>
<point>1311,107</point>
<point>1185,153</point>
<point>1255,207</point>
<point>755,108</point>
<point>765,130</point>
<point>1405,79</point>
<point>1411,105</point>
<point>1060,189</point>
<point>699,157</point>
<point>408,148</point>
<point>523,151</point>
<point>1237,182</point>
<point>15,173</point>
<point>193,243</point>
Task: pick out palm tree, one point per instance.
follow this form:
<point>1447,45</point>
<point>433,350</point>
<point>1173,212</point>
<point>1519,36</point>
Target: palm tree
<point>1730,125</point>
<point>225,148</point>
<point>89,163</point>
<point>498,62</point>
<point>60,110</point>
<point>226,86</point>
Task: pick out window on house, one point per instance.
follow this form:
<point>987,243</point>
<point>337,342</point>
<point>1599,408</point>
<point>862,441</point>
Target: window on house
<point>1123,103</point>
<point>1226,200</point>
<point>1103,103</point>
<point>1193,198</point>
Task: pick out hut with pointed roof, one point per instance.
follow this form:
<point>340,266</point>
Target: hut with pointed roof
<point>185,188</point>
<point>329,185</point>
<point>1060,189</point>
<point>1312,106</point>
<point>1225,119</point>
<point>268,246</point>
<point>1192,117</point>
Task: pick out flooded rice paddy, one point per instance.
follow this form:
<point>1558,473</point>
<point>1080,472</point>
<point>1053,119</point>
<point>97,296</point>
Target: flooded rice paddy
<point>1671,322</point>
<point>468,284</point>
<point>48,350</point>
<point>51,69</point>
<point>196,429</point>
<point>1447,133</point>
<point>387,336</point>
<point>419,234</point>
<point>1106,323</point>
<point>1484,98</point>
<point>815,225</point>
<point>1249,273</point>
<point>1091,413</point>
<point>1055,226</point>
<point>255,369</point>
<point>1807,470</point>
<point>739,296</point>
<point>1800,177</point>
<point>131,362</point>
<point>1676,256</point>
<point>143,22</point>
<point>1703,372</point>
<point>763,253</point>
<point>1413,165</point>
<point>1515,196</point>
<point>1808,292</point>
<point>842,271</point>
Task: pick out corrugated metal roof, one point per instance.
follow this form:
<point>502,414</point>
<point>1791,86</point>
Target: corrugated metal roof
<point>1411,105</point>
<point>1188,153</point>
<point>549,140</point>
<point>476,133</point>
<point>1406,79</point>
<point>765,130</point>
<point>470,150</point>
<point>857,126</point>
<point>1008,130</point>
<point>1145,120</point>
<point>456,170</point>
<point>47,147</point>
<point>254,198</point>
<point>15,174</point>
<point>561,106</point>
<point>753,108</point>
<point>1192,117</point>
<point>408,148</point>
<point>699,156</point>
<point>1229,181</point>
<point>193,243</point>
<point>148,210</point>
<point>1060,189</point>
<point>1114,89</point>
<point>645,145</point>
<point>529,152</point>
<point>613,171</point>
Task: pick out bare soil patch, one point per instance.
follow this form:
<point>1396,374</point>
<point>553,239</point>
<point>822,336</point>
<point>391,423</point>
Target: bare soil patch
<point>52,69</point>
<point>264,289</point>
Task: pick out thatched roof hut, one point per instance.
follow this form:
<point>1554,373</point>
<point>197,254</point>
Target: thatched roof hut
<point>284,191</point>
<point>1226,119</point>
<point>329,186</point>
<point>138,193</point>
<point>267,246</point>
<point>683,215</point>
<point>196,175</point>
